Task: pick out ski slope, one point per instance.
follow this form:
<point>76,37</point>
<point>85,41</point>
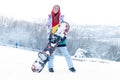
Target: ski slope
<point>15,64</point>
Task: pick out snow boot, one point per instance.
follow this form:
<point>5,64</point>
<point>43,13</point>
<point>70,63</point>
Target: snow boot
<point>72,69</point>
<point>51,70</point>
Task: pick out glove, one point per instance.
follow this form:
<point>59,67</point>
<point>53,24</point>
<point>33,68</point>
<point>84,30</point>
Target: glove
<point>54,38</point>
<point>62,39</point>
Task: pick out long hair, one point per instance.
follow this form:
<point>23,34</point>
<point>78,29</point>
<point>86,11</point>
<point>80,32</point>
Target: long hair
<point>55,17</point>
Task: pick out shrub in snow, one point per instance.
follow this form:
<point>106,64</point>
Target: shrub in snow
<point>80,53</point>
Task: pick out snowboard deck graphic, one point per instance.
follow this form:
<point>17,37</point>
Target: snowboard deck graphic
<point>44,55</point>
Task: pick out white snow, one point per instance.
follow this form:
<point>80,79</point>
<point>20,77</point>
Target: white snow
<point>15,64</point>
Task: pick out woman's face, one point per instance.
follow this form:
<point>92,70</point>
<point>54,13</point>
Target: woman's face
<point>56,9</point>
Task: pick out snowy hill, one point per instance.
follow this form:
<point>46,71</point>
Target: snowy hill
<point>15,64</point>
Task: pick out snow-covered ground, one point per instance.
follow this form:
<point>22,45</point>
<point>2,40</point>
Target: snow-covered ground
<point>15,64</point>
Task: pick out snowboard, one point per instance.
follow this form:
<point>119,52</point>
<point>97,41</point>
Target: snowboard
<point>54,40</point>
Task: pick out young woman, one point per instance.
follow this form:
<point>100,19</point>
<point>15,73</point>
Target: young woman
<point>54,19</point>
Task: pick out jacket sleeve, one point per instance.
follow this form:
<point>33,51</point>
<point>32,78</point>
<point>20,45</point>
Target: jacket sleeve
<point>49,25</point>
<point>61,18</point>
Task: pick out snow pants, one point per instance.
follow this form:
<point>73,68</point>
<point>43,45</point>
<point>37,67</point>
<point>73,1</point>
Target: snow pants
<point>65,53</point>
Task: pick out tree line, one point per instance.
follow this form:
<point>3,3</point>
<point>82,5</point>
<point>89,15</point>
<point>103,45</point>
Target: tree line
<point>100,41</point>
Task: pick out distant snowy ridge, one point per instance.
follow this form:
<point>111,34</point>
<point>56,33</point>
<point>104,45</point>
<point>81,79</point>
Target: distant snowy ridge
<point>91,60</point>
<point>80,56</point>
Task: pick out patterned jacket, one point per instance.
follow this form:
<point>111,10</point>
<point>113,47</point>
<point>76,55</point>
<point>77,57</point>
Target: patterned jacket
<point>49,28</point>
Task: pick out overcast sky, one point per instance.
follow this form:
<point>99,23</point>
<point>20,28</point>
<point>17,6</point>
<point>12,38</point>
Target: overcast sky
<point>76,11</point>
